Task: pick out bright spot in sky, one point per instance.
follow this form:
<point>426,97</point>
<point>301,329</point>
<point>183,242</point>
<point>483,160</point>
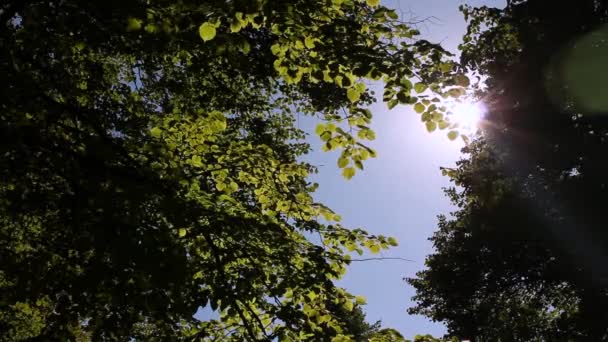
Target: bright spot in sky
<point>468,114</point>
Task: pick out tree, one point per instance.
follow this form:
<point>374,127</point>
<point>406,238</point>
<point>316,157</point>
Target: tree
<point>356,325</point>
<point>523,257</point>
<point>151,165</point>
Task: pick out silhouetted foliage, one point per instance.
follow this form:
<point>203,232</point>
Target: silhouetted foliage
<point>524,256</point>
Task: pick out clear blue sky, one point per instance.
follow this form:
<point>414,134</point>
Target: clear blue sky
<point>400,193</point>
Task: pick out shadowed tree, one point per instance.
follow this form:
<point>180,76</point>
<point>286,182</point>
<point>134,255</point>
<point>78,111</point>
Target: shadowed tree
<point>524,256</point>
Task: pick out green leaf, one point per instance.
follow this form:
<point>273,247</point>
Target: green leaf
<point>360,300</point>
<point>309,42</point>
<point>402,97</point>
<point>431,126</point>
<point>326,136</point>
<point>445,67</point>
<point>361,87</point>
<point>150,28</point>
<point>320,129</point>
<point>366,133</point>
<point>134,24</point>
<point>462,80</point>
<point>452,135</point>
<point>348,305</point>
<point>375,249</point>
<point>392,14</point>
<point>392,241</point>
<point>207,31</point>
<point>443,124</point>
<point>353,94</point>
<point>342,162</point>
<point>392,103</point>
<point>348,172</point>
<point>275,49</point>
<point>373,3</point>
<point>420,87</point>
<point>196,161</point>
<point>156,132</point>
<point>181,232</point>
<point>419,108</point>
<point>235,26</point>
<point>437,116</point>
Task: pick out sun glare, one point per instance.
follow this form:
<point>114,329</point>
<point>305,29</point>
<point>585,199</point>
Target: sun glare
<point>468,114</point>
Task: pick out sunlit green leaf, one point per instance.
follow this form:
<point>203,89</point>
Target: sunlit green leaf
<point>375,249</point>
<point>207,31</point>
<point>309,42</point>
<point>353,94</point>
<point>156,132</point>
<point>348,305</point>
<point>420,87</point>
<point>348,172</point>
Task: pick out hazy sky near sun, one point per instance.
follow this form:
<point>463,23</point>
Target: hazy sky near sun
<point>400,193</point>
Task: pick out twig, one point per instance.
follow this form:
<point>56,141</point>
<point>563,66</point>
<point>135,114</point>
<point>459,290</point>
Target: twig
<point>380,259</point>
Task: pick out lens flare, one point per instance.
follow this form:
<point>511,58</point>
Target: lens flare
<point>468,114</point>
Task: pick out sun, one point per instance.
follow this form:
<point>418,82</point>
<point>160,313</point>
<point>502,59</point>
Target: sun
<point>468,114</point>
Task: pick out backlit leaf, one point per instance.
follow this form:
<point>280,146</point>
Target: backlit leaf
<point>156,132</point>
<point>353,94</point>
<point>452,135</point>
<point>420,87</point>
<point>348,172</point>
<point>207,31</point>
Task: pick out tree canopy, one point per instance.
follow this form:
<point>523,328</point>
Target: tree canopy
<point>151,165</point>
<point>523,258</point>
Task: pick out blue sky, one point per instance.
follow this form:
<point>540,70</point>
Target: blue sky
<point>400,193</point>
